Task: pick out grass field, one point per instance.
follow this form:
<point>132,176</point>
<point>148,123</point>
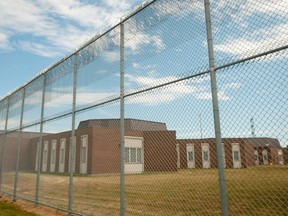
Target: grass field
<point>8,208</point>
<point>251,191</point>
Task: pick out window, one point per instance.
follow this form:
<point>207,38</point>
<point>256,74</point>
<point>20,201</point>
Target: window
<point>139,155</point>
<point>133,155</point>
<point>53,156</point>
<point>62,155</point>
<point>236,155</point>
<point>265,157</point>
<point>83,149</point>
<point>205,156</point>
<point>83,156</point>
<point>280,155</point>
<point>45,156</point>
<point>127,155</point>
<point>190,156</point>
<point>256,157</point>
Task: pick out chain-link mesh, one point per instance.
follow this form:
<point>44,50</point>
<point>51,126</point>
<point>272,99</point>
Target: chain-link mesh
<point>169,157</point>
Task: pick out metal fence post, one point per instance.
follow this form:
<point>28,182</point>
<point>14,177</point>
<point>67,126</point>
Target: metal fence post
<point>40,142</point>
<point>19,147</point>
<point>73,140</point>
<point>122,139</point>
<point>4,143</point>
<point>219,151</point>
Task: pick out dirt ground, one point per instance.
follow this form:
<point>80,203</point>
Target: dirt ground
<point>39,210</point>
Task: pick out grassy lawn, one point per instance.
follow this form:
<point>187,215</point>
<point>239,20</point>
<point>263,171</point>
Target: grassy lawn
<point>251,191</point>
<point>10,209</point>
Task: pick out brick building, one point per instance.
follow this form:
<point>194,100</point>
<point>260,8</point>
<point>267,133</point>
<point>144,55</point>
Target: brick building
<point>238,152</point>
<point>98,148</point>
<point>149,146</point>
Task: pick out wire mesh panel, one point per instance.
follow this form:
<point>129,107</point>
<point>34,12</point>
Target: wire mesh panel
<point>155,50</point>
<point>9,161</point>
<point>165,162</point>
<point>97,166</point>
<point>3,111</point>
<point>98,71</point>
<point>59,89</point>
<point>178,159</point>
<point>15,106</point>
<point>254,117</point>
<point>26,184</point>
<point>10,141</point>
<point>32,101</point>
<point>54,164</point>
<point>243,29</point>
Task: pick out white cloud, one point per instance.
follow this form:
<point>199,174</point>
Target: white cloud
<point>208,96</point>
<point>254,26</point>
<point>197,88</point>
<point>142,38</point>
<point>4,42</point>
<point>39,48</point>
<point>252,44</point>
<point>55,27</point>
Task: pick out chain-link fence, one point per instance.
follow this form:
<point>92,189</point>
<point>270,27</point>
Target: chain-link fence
<point>130,122</point>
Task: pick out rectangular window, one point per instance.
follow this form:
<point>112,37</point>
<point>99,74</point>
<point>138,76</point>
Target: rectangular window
<point>280,156</point>
<point>256,157</point>
<point>236,155</point>
<point>190,156</point>
<point>45,156</point>
<point>205,156</point>
<point>53,156</point>
<point>127,155</point>
<point>139,155</point>
<point>83,156</point>
<point>62,156</point>
<point>133,155</point>
<point>265,156</point>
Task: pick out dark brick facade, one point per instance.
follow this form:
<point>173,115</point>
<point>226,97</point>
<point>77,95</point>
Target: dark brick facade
<point>159,147</point>
<point>248,146</point>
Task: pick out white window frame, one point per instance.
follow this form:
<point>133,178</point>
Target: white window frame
<point>137,156</point>
<point>136,145</point>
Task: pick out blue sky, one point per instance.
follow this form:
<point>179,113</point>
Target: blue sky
<point>171,45</point>
<point>37,33</point>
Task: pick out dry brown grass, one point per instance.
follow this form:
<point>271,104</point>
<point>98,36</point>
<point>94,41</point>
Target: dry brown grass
<point>252,191</point>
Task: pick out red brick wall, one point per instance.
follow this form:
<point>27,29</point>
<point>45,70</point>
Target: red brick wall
<point>160,151</point>
<point>285,155</point>
<point>10,155</point>
<point>106,149</point>
<point>105,152</point>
